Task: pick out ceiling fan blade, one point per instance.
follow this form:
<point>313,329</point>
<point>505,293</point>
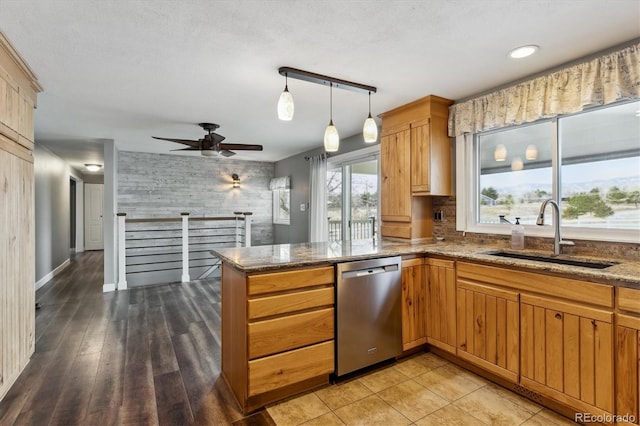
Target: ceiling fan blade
<point>240,147</point>
<point>187,149</point>
<point>189,142</point>
<point>226,153</point>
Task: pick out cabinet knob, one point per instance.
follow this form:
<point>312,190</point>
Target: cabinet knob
<point>558,316</point>
<point>594,323</point>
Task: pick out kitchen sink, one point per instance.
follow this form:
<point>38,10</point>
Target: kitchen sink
<point>550,259</point>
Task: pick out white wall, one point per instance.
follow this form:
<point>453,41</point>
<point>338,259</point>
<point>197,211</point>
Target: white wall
<point>51,213</point>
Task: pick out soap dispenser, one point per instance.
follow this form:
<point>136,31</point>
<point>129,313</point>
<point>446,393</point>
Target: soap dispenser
<point>517,235</point>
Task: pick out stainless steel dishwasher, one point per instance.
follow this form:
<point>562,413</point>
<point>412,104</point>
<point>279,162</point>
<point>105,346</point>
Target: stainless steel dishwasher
<point>369,322</point>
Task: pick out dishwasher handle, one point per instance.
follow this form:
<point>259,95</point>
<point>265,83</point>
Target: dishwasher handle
<point>369,271</point>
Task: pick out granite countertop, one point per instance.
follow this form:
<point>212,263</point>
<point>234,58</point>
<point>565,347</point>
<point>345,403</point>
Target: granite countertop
<point>272,257</point>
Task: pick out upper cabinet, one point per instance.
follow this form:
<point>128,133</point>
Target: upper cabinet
<point>18,89</point>
<point>415,161</point>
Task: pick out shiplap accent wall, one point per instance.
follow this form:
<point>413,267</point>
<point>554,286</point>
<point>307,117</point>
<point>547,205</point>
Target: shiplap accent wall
<point>162,185</point>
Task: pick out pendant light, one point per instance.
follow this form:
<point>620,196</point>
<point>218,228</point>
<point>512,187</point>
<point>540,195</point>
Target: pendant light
<point>285,103</point>
<point>370,128</point>
<point>500,153</point>
<point>331,137</point>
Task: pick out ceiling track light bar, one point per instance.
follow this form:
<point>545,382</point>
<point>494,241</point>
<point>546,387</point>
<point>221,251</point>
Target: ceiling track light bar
<point>325,80</point>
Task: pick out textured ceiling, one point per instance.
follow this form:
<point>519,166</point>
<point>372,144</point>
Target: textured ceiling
<point>127,70</point>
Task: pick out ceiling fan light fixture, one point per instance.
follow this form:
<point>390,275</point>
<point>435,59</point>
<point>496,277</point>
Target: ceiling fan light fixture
<point>370,128</point>
<point>285,103</point>
<point>209,153</point>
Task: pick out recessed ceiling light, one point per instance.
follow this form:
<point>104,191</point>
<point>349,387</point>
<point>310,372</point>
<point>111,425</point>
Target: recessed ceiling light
<point>523,51</point>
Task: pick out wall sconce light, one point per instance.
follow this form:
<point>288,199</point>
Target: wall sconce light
<point>500,153</point>
<point>331,137</point>
<point>93,167</point>
<point>236,180</point>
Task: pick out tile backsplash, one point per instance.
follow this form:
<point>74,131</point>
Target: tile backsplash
<point>447,230</point>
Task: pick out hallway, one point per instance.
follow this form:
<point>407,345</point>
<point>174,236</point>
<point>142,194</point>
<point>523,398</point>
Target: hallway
<point>143,356</point>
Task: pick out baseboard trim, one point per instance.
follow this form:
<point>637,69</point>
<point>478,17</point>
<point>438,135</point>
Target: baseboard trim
<point>107,287</point>
<point>42,281</point>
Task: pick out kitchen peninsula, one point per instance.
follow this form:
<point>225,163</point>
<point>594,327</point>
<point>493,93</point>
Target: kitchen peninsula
<point>498,314</point>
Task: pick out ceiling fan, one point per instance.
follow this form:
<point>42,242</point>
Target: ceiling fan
<point>212,144</point>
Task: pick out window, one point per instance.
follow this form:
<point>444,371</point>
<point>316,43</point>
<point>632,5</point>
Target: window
<point>352,194</point>
<point>589,161</point>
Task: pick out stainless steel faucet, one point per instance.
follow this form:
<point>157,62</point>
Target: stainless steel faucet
<point>558,242</point>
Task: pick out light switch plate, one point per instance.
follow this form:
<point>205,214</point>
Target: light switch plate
<point>303,207</point>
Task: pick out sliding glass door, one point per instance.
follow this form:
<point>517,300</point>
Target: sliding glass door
<point>352,197</point>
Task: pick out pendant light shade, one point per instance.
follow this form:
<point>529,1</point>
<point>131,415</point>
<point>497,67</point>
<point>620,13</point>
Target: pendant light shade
<point>370,128</point>
<point>331,137</point>
<point>500,153</point>
<point>531,153</point>
<point>285,103</point>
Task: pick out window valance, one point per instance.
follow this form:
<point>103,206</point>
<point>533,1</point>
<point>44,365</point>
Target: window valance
<point>280,183</point>
<point>601,81</point>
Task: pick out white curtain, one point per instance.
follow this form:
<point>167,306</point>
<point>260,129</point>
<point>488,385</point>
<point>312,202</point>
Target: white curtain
<point>318,226</point>
<point>601,81</point>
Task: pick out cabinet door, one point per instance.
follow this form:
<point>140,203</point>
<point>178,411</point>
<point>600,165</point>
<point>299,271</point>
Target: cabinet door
<point>441,304</point>
<point>395,165</point>
<point>420,158</point>
<point>489,327</point>
<point>413,306</point>
<point>628,367</point>
<point>567,353</point>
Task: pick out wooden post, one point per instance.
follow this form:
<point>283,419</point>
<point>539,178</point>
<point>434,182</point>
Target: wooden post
<point>238,235</point>
<point>247,229</point>
<point>185,247</point>
<point>122,252</point>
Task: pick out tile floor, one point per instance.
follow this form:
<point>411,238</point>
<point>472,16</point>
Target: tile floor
<point>422,390</point>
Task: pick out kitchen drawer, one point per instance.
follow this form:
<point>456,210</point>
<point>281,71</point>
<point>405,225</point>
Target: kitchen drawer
<point>566,288</point>
<point>290,332</point>
<point>289,280</point>
<point>290,302</point>
<point>628,299</point>
<point>277,371</point>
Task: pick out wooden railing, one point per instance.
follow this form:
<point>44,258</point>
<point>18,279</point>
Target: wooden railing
<point>359,229</point>
<point>162,250</point>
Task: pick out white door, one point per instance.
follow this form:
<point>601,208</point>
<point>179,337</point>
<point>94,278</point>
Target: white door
<point>93,216</point>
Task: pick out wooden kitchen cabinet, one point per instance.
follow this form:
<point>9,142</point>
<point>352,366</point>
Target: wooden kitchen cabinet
<point>18,90</point>
<point>627,362</point>
<point>277,332</point>
<point>567,353</point>
<point>395,205</point>
<point>488,327</point>
<point>440,276</point>
<point>413,304</point>
<point>415,160</point>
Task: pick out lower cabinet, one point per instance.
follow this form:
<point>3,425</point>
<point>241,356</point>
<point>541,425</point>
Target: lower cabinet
<point>413,304</point>
<point>440,276</point>
<point>489,328</point>
<point>627,341</point>
<point>567,353</point>
<point>277,333</point>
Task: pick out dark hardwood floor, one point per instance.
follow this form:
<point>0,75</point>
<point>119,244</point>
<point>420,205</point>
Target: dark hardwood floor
<point>143,356</point>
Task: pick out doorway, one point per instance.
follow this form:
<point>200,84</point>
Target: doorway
<point>352,198</point>
<point>93,211</point>
<point>72,216</point>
